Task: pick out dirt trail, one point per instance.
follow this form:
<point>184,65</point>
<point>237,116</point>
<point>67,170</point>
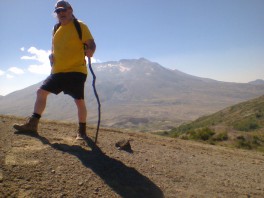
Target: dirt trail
<point>52,164</point>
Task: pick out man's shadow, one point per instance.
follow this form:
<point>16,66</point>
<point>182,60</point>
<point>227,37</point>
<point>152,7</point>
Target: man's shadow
<point>125,181</point>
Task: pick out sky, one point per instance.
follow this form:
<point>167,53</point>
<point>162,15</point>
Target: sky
<point>217,39</point>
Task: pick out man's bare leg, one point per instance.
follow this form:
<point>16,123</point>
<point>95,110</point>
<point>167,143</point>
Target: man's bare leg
<point>31,125</point>
<point>82,115</point>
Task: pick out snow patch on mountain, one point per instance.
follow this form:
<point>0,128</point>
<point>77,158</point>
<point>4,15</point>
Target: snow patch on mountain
<point>113,67</point>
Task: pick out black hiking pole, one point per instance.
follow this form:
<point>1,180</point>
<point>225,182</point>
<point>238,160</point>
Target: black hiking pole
<point>97,98</point>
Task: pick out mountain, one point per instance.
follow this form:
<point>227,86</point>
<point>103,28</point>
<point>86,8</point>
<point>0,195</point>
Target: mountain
<point>240,125</point>
<point>257,82</point>
<point>139,94</point>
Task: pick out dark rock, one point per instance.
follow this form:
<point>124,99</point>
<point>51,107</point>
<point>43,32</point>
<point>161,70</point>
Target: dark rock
<point>124,145</point>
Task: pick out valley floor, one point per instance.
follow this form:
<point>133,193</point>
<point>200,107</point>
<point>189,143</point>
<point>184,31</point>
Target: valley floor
<point>53,164</point>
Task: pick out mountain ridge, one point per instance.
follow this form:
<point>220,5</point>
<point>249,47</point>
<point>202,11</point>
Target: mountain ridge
<point>257,82</point>
<point>129,89</point>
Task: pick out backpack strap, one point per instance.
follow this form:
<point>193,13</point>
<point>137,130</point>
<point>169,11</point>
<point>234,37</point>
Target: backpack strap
<point>78,27</point>
<point>56,27</point>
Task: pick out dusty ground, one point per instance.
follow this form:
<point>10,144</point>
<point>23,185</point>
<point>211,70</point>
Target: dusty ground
<point>52,164</point>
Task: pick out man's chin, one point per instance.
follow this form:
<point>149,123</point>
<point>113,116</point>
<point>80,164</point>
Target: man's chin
<point>64,20</point>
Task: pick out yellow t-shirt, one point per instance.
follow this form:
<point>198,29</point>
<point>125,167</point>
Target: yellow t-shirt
<point>68,49</point>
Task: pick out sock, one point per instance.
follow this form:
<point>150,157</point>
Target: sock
<point>35,115</point>
<point>82,127</point>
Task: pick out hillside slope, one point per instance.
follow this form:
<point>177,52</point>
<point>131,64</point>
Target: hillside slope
<point>51,164</point>
<point>249,110</point>
<point>240,125</point>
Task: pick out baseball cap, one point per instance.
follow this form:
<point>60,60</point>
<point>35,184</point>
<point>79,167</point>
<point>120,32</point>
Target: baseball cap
<point>62,5</point>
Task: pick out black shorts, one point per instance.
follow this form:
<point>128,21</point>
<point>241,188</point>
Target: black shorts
<point>71,83</point>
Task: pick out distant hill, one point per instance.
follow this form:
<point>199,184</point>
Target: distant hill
<point>257,82</point>
<point>139,94</point>
<point>241,125</point>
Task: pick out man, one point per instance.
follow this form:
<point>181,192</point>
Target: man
<point>69,71</point>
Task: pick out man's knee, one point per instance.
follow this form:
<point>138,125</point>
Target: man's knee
<point>80,102</point>
<point>41,93</point>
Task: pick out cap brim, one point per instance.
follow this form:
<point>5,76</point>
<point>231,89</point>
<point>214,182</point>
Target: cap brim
<point>60,9</point>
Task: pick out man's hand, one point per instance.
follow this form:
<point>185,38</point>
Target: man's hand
<point>90,48</point>
<point>89,53</point>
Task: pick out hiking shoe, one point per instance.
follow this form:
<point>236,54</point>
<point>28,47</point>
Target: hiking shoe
<point>31,125</point>
<point>81,135</point>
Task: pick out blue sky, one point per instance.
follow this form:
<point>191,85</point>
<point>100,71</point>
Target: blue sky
<point>217,39</point>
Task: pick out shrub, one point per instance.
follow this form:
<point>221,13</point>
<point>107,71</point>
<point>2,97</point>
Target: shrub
<point>245,144</point>
<point>249,142</point>
<point>259,114</point>
<point>257,141</point>
<point>201,134</point>
<point>246,125</point>
<point>184,137</point>
<point>221,137</point>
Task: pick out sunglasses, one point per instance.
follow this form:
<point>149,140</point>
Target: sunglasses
<point>61,10</point>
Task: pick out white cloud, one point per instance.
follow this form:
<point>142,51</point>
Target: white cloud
<point>93,60</point>
<point>9,76</point>
<point>2,73</point>
<point>16,70</point>
<point>39,69</point>
<point>29,57</point>
<point>42,57</point>
<point>22,49</point>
